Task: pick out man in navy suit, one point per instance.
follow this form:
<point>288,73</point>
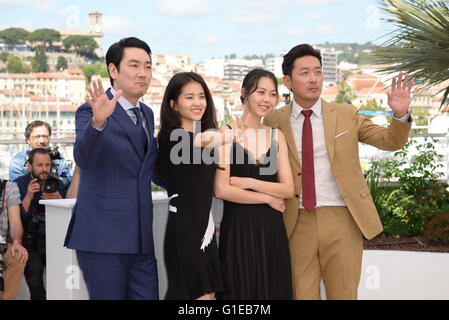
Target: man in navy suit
<point>115,148</point>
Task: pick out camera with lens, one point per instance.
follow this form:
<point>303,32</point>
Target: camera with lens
<point>54,153</point>
<point>51,184</point>
<point>3,248</point>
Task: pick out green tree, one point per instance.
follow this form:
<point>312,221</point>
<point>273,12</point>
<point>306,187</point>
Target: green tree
<point>420,44</point>
<point>39,62</point>
<point>14,35</point>
<point>45,36</point>
<point>371,104</point>
<point>61,64</point>
<point>345,94</point>
<point>421,116</point>
<point>94,69</point>
<point>4,56</point>
<point>81,45</point>
<point>16,65</point>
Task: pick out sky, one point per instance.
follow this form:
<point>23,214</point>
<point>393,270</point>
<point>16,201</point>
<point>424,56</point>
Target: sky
<point>205,29</point>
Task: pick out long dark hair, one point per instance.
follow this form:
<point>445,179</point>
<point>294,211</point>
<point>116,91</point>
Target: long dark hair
<point>170,117</point>
<point>251,81</point>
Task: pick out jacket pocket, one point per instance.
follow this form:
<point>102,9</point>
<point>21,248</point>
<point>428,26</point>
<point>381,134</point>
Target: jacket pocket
<point>364,191</point>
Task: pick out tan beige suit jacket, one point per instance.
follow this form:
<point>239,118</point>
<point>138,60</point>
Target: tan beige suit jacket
<point>343,153</point>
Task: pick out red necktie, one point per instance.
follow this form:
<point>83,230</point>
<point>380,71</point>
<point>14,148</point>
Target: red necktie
<point>308,170</point>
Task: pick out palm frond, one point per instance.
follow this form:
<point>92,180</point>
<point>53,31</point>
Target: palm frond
<point>420,43</point>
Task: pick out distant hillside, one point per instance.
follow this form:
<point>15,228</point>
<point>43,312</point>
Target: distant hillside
<point>351,52</point>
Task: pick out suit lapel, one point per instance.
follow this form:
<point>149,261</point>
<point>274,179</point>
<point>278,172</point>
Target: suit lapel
<point>127,124</point>
<point>150,126</point>
<point>285,126</point>
<point>330,124</point>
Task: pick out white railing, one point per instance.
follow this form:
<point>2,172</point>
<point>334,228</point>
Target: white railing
<point>385,274</point>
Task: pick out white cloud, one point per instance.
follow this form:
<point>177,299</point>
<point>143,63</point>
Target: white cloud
<point>48,6</point>
<point>311,2</point>
<point>290,2</point>
<point>25,24</point>
<point>325,29</point>
<point>184,8</point>
<point>256,17</point>
<point>315,16</point>
<point>296,32</point>
<point>209,39</point>
<point>118,25</point>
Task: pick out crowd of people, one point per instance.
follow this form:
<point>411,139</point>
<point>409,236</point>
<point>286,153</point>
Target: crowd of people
<point>296,204</point>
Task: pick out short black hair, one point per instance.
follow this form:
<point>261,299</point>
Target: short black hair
<point>33,152</point>
<point>115,52</point>
<point>299,51</point>
<point>35,124</point>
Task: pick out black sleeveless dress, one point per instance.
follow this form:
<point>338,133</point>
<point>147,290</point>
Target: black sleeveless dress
<point>190,247</point>
<point>253,242</point>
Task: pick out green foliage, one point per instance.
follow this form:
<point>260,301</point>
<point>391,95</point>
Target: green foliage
<point>62,64</point>
<point>407,191</point>
<point>94,69</point>
<point>39,62</point>
<point>156,188</point>
<point>14,35</point>
<point>351,52</point>
<point>437,229</point>
<point>371,104</point>
<point>45,36</point>
<point>4,56</point>
<point>16,65</point>
<point>421,115</point>
<point>82,45</point>
<point>420,44</point>
<point>345,94</point>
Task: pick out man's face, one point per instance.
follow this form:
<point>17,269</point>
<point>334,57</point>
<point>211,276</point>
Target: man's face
<point>135,73</point>
<point>306,80</point>
<point>39,138</point>
<point>41,166</point>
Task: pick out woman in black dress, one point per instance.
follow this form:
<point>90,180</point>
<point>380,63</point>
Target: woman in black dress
<point>190,249</point>
<point>253,242</point>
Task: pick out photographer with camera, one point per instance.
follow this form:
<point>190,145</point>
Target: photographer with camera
<point>37,135</point>
<point>13,255</point>
<point>39,184</point>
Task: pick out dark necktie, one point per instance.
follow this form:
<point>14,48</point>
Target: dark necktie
<point>139,125</point>
<point>308,169</point>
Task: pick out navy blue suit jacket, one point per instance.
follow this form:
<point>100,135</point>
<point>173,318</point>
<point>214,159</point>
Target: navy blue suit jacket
<point>114,211</point>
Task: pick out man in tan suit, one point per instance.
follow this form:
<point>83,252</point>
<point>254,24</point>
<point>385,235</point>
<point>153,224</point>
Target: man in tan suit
<point>332,209</point>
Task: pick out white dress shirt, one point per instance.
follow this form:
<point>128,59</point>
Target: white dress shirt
<point>326,188</point>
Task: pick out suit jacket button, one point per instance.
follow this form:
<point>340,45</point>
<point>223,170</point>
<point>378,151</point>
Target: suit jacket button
<point>299,173</point>
<point>297,195</point>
